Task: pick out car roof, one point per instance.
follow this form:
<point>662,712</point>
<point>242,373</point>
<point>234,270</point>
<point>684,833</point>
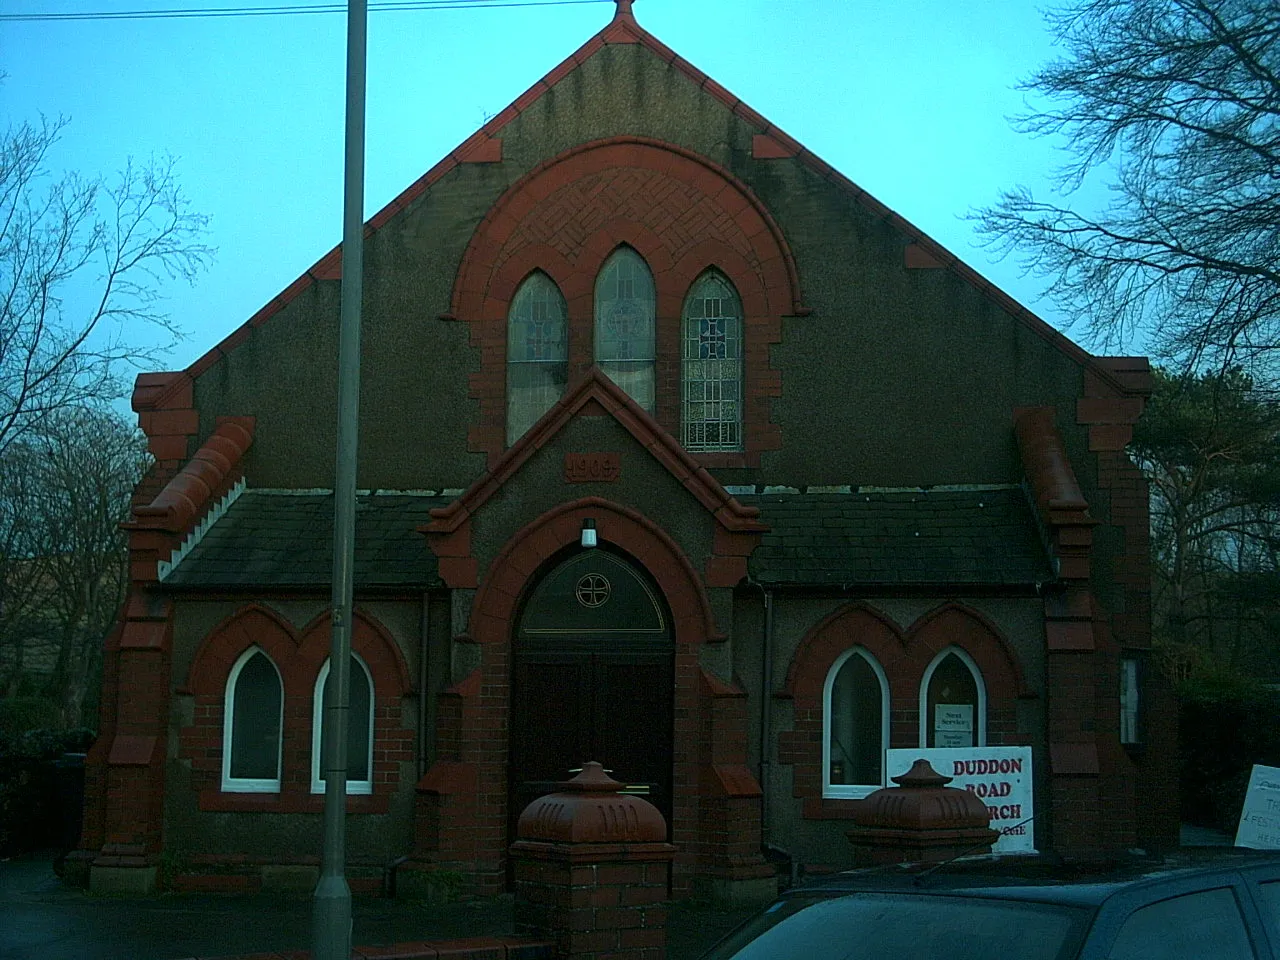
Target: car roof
<point>1043,879</point>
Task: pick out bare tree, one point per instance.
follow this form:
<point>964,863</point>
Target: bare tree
<point>76,480</point>
<point>19,578</point>
<point>1176,103</point>
<point>81,261</point>
<point>1210,448</point>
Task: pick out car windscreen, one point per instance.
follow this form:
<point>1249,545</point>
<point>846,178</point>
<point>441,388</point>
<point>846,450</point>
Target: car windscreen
<point>886,926</point>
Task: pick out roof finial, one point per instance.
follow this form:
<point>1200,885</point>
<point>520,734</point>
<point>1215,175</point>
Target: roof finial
<point>624,10</point>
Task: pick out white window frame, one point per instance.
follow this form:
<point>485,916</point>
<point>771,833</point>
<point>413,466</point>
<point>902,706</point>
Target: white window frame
<point>927,678</point>
<point>317,718</point>
<point>246,784</point>
<point>853,791</point>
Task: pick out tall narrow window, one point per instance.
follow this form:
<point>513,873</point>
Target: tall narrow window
<point>953,702</point>
<point>359,729</point>
<point>252,712</point>
<point>855,731</point>
<point>711,412</point>
<point>537,353</point>
<point>625,341</point>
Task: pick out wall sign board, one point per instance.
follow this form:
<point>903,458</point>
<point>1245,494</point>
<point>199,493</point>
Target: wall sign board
<point>1000,776</point>
<point>953,724</point>
<point>1260,819</point>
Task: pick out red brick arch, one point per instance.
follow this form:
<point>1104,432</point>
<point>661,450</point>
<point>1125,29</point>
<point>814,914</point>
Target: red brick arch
<point>371,640</point>
<point>252,625</point>
<point>494,608</point>
<point>853,625</point>
<point>957,625</point>
<point>904,655</point>
<point>298,655</point>
<point>482,712</point>
<point>682,213</point>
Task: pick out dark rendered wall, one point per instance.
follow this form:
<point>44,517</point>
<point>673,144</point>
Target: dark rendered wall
<point>899,377</point>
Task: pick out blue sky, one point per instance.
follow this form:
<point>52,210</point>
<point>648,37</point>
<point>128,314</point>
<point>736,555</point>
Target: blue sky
<point>909,98</point>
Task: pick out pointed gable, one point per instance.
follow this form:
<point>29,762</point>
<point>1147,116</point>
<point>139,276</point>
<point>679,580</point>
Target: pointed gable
<point>485,146</point>
<point>737,526</point>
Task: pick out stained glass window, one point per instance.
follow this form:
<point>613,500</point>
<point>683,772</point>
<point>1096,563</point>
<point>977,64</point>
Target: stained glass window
<point>537,353</point>
<point>625,329</point>
<point>711,414</point>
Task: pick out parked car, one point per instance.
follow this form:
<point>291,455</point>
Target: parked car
<point>1192,906</point>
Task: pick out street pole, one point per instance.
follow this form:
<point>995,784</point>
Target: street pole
<point>331,918</point>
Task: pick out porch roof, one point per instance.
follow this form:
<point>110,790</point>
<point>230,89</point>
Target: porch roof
<point>969,536</point>
<point>281,539</point>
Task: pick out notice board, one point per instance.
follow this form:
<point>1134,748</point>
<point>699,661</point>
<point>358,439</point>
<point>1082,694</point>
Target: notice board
<point>1260,819</point>
<point>999,776</point>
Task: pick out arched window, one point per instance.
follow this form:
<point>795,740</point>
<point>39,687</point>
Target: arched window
<point>537,353</point>
<point>855,728</point>
<point>625,338</point>
<point>253,710</point>
<point>711,370</point>
<point>953,702</point>
<point>359,728</point>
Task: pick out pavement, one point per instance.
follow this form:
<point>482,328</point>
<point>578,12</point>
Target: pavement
<point>1193,836</point>
<point>41,919</point>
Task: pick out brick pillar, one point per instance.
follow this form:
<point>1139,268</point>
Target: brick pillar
<point>125,781</point>
<point>447,805</point>
<point>730,864</point>
<point>592,869</point>
<point>921,819</point>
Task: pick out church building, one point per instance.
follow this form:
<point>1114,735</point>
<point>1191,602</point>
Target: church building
<point>678,452</point>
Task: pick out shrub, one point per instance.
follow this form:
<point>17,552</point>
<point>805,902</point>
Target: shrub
<point>30,808</point>
<point>1226,725</point>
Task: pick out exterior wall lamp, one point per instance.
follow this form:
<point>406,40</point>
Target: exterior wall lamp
<point>589,533</point>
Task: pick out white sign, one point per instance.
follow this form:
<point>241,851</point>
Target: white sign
<point>953,724</point>
<point>1260,819</point>
<point>999,776</point>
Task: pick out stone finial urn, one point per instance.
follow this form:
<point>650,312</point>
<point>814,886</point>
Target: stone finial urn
<point>589,809</point>
<point>921,819</point>
<point>591,870</point>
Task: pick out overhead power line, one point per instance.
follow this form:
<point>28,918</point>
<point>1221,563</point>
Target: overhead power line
<point>293,10</point>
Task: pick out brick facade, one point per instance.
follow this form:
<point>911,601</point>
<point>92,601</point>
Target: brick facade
<point>299,656</point>
<point>904,656</point>
<point>464,820</point>
<point>680,212</point>
<point>751,202</point>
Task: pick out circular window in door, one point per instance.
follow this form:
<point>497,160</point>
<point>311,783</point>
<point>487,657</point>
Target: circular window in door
<point>593,590</point>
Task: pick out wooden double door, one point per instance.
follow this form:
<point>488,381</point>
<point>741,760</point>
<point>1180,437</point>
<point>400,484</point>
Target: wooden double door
<point>592,679</point>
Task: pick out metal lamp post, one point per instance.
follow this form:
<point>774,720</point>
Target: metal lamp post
<point>331,918</point>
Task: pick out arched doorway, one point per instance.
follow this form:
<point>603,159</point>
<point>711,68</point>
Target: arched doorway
<point>591,679</point>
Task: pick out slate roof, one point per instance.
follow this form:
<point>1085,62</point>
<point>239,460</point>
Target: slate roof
<point>285,539</point>
<point>971,536</point>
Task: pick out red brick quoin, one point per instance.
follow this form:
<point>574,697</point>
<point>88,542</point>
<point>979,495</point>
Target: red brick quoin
<point>298,655</point>
<point>463,823</point>
<point>679,211</point>
<point>904,656</point>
